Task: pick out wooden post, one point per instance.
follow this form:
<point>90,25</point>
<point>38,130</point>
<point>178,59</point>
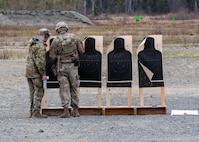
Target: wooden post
<point>99,97</point>
<point>45,98</point>
<point>162,96</point>
<point>141,97</point>
<point>129,97</point>
<point>108,97</point>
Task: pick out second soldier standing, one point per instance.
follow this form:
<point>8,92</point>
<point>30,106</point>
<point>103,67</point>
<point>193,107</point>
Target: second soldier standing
<point>36,71</point>
<point>64,53</point>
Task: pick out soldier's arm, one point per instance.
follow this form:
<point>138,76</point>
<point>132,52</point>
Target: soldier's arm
<point>39,58</point>
<point>53,51</point>
<point>79,46</point>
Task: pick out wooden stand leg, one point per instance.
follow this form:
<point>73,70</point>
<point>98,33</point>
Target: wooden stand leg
<point>129,97</point>
<point>45,98</point>
<point>99,97</point>
<point>141,97</point>
<point>162,96</point>
<point>108,97</point>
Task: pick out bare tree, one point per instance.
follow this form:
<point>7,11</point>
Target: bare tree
<point>100,5</point>
<point>85,10</point>
<point>93,7</point>
<point>170,5</point>
<point>196,5</point>
<point>128,6</point>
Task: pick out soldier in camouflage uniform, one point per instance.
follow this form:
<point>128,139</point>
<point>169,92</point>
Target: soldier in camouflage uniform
<point>36,71</point>
<point>64,52</point>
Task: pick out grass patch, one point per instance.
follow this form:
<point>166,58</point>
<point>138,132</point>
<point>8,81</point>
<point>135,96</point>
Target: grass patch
<point>180,56</point>
<point>13,54</point>
<point>179,33</point>
<point>5,54</point>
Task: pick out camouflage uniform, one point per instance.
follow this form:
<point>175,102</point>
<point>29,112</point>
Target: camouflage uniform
<point>63,52</point>
<point>35,69</point>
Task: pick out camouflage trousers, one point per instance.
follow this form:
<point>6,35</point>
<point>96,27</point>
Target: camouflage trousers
<point>69,82</point>
<point>36,93</point>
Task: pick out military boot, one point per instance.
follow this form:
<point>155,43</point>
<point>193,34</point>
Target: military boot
<point>66,113</point>
<point>75,113</point>
<point>36,114</point>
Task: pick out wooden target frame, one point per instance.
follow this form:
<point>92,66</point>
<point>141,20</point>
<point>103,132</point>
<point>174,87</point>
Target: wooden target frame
<point>152,109</point>
<point>83,110</point>
<point>94,110</point>
<point>120,110</point>
<point>108,109</point>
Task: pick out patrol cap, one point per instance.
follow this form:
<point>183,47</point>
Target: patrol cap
<point>62,25</point>
<point>45,32</point>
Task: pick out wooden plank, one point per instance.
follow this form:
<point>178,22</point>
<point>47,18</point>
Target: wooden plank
<point>91,110</point>
<point>45,98</point>
<point>162,97</point>
<point>148,110</point>
<point>99,97</point>
<point>83,110</point>
<point>52,111</point>
<point>129,97</point>
<point>141,97</point>
<point>119,110</point>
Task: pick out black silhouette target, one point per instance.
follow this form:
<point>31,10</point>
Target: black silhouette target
<point>151,59</point>
<point>90,63</point>
<point>119,63</point>
<point>52,81</point>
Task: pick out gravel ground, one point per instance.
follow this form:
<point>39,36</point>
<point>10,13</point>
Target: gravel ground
<point>181,90</point>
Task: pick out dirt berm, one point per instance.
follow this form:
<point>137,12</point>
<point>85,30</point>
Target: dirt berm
<point>49,17</point>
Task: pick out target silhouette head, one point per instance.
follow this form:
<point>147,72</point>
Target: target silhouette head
<point>90,45</point>
<point>149,44</point>
<point>119,45</point>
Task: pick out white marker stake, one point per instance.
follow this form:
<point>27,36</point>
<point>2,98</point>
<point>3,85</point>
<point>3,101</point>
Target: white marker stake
<point>184,112</point>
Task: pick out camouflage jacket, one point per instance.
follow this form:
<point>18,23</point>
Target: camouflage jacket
<point>35,62</point>
<point>67,46</point>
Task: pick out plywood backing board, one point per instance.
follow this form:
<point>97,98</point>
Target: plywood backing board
<point>158,43</point>
<point>128,43</point>
<point>98,42</point>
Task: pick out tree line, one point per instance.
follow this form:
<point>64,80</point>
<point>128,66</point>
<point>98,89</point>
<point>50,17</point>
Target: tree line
<point>97,7</point>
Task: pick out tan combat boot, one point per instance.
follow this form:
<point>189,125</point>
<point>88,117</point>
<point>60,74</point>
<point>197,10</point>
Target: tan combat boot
<point>36,114</point>
<point>66,113</point>
<point>76,113</point>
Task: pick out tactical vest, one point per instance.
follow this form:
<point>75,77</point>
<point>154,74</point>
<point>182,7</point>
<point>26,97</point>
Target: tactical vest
<point>67,48</point>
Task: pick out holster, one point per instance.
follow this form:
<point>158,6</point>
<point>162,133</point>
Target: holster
<point>76,62</point>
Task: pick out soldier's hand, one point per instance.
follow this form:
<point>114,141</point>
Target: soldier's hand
<point>45,77</point>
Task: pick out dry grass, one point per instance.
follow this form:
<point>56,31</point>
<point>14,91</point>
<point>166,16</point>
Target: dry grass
<point>5,54</point>
<point>175,33</point>
<point>13,54</point>
<point>184,32</point>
